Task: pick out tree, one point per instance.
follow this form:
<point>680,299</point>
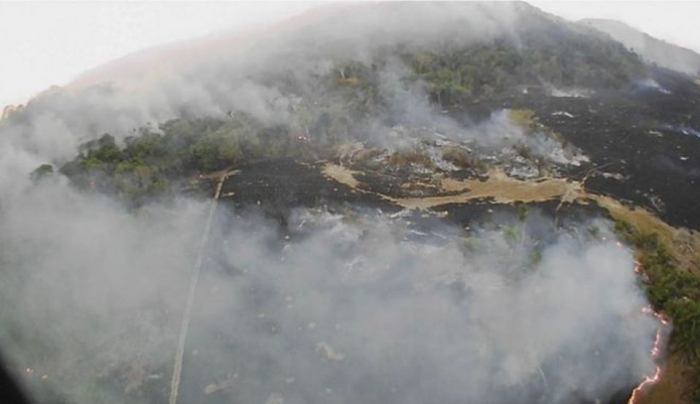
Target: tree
<point>41,172</point>
<point>105,150</point>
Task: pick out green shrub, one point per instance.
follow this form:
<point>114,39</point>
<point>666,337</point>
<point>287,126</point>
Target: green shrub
<point>672,291</point>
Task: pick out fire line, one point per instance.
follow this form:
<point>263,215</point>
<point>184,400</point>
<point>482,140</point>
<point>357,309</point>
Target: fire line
<point>655,352</point>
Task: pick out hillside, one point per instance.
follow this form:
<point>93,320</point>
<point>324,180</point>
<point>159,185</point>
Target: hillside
<point>274,73</point>
<point>386,202</point>
<point>652,50</point>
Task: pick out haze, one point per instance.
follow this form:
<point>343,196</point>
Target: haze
<point>369,203</point>
<point>50,43</point>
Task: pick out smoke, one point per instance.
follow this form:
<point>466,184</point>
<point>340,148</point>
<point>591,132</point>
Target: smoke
<point>334,308</point>
<point>89,288</point>
<point>337,308</point>
<point>267,74</point>
<point>652,50</point>
<point>363,311</point>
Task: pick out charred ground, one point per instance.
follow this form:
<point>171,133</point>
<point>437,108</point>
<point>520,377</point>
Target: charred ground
<point>643,134</point>
<point>539,128</point>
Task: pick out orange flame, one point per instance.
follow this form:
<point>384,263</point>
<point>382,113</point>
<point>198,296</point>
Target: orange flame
<point>655,352</point>
<point>649,380</point>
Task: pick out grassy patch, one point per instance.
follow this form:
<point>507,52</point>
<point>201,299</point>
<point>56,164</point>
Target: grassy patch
<point>527,119</point>
<point>411,157</point>
<point>523,117</point>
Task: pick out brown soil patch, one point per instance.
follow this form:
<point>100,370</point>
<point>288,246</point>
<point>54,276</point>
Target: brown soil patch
<point>341,174</point>
<point>498,186</point>
<point>671,387</point>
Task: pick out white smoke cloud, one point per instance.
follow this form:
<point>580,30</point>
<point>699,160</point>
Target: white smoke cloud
<point>235,77</point>
<point>361,308</point>
<point>343,311</point>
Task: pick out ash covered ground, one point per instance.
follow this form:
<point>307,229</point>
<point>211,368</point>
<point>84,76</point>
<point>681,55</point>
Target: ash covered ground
<point>355,297</point>
<point>643,143</point>
<point>634,156</point>
<point>354,231</point>
<point>491,278</point>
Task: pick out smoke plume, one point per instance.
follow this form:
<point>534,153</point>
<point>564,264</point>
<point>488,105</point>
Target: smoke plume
<point>332,308</point>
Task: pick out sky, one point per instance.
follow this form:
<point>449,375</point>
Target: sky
<point>672,21</point>
<point>50,43</point>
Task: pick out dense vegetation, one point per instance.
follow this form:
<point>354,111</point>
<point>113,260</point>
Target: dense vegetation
<point>455,73</point>
<point>153,163</point>
<point>672,291</point>
<point>454,76</point>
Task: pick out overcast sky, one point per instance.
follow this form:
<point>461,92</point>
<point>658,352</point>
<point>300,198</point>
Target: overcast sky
<point>46,43</point>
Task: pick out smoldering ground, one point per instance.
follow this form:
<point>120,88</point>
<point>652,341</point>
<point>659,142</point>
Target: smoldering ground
<point>364,311</point>
<point>345,309</point>
<point>339,308</point>
<point>89,289</point>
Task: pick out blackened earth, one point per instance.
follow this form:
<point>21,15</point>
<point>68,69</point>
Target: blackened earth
<point>646,140</point>
<point>272,190</point>
<point>648,136</point>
